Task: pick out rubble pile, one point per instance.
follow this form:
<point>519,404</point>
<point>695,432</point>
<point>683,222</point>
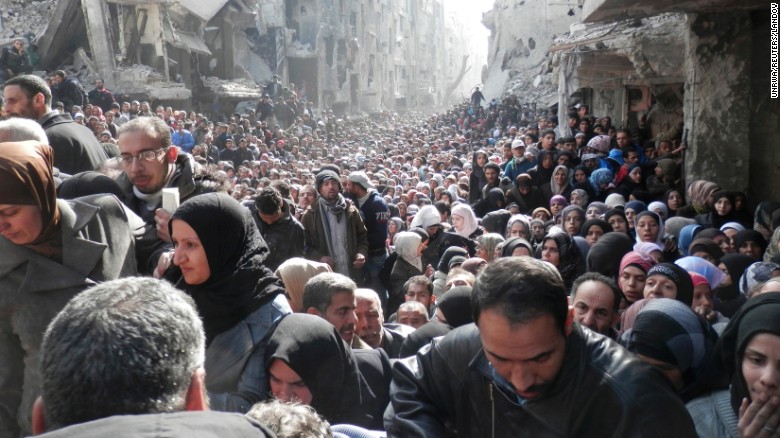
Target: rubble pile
<point>236,88</point>
<point>25,18</point>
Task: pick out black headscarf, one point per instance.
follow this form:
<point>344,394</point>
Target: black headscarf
<point>88,183</point>
<point>455,304</point>
<point>571,263</point>
<point>747,236</point>
<point>679,276</point>
<point>447,255</point>
<point>495,221</point>
<point>601,223</point>
<point>239,282</point>
<point>605,256</point>
<point>758,315</point>
<point>313,348</point>
<point>423,336</point>
<point>514,243</point>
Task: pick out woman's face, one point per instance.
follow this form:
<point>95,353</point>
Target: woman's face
<point>618,224</point>
<point>392,227</point>
<point>594,234</point>
<point>575,199</point>
<point>550,252</point>
<point>518,230</point>
<point>547,161</point>
<point>572,224</point>
<point>580,175</point>
<point>189,254</point>
<point>636,175</point>
<point>21,224</point>
<point>538,230</point>
<point>647,229</point>
<point>560,177</point>
<point>723,206</point>
<point>702,297</point>
<point>556,208</point>
<point>630,215</point>
<point>592,213</point>
<point>761,366</point>
<point>660,286</point>
<point>287,385</point>
<point>632,283</point>
<point>458,222</point>
<point>751,249</point>
<point>675,200</point>
<point>482,252</point>
<point>521,251</point>
<point>481,160</point>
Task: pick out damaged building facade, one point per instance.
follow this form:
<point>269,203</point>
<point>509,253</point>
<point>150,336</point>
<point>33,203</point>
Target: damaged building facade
<point>351,56</point>
<point>693,68</point>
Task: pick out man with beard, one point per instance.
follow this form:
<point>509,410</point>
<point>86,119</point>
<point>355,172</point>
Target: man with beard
<point>331,296</point>
<point>151,163</point>
<point>334,231</point>
<point>75,147</point>
<point>526,359</point>
<point>101,97</point>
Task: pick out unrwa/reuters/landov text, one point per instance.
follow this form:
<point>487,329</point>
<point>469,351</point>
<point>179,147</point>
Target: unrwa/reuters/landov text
<point>773,56</point>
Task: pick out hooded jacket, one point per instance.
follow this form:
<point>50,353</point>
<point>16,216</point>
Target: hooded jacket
<point>449,389</point>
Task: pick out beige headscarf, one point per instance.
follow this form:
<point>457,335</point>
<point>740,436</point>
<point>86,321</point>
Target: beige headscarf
<point>295,272</point>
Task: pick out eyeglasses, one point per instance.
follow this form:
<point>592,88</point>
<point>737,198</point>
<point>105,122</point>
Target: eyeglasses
<point>145,156</point>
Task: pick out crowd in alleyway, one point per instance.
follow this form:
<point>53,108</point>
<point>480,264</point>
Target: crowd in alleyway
<point>466,273</point>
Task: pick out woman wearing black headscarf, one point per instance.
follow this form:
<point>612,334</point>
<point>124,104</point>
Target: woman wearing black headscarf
<point>751,243</point>
<point>749,352</point>
<point>669,335</point>
<point>50,250</point>
<point>729,298</point>
<point>454,308</point>
<point>220,253</point>
<point>560,250</point>
<point>605,255</point>
<point>667,280</point>
<point>722,210</point>
<point>340,384</point>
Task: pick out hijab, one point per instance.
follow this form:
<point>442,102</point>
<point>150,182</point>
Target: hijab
<point>638,260</point>
<point>490,241</point>
<point>757,315</point>
<point>709,246</point>
<point>88,183</point>
<point>755,274</point>
<point>447,255</point>
<point>748,236</point>
<point>771,250</point>
<point>702,267</point>
<point>406,245</point>
<point>679,276</point>
<point>699,193</point>
<point>294,273</point>
<point>659,239</point>
<point>583,197</point>
<point>455,304</point>
<point>518,218</point>
<point>660,206</point>
<point>422,337</point>
<point>313,348</point>
<point>559,189</point>
<point>601,207</point>
<point>239,283</point>
<point>514,243</point>
<point>598,178</point>
<point>669,331</point>
<point>470,223</point>
<point>571,263</point>
<point>606,255</point>
<point>26,179</point>
<point>687,235</point>
<point>763,220</point>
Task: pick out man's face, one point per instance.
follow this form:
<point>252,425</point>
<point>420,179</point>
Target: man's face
<point>330,190</point>
<point>99,84</point>
<point>369,322</point>
<point>632,158</point>
<point>146,176</point>
<point>341,313</point>
<point>622,140</point>
<point>412,318</point>
<point>529,355</point>
<point>548,141</point>
<point>593,306</point>
<point>491,175</point>
<point>418,292</point>
<point>17,104</point>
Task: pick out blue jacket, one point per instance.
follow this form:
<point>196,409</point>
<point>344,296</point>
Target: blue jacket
<point>185,140</point>
<point>375,216</point>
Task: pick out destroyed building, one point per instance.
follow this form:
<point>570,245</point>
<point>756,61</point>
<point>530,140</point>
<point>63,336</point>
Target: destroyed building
<point>351,56</point>
<point>693,68</point>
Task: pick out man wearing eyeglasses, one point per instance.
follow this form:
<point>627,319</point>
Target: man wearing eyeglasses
<point>150,163</point>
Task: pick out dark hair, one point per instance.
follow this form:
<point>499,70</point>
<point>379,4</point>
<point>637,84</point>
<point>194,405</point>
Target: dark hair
<point>443,207</point>
<point>493,166</point>
<point>319,290</point>
<point>123,347</point>
<point>546,132</point>
<point>418,279</point>
<point>282,187</point>
<point>31,85</point>
<point>269,201</point>
<point>522,289</point>
<point>595,276</point>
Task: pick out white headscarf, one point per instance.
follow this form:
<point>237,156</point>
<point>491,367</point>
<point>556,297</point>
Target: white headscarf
<point>470,223</point>
<point>406,245</point>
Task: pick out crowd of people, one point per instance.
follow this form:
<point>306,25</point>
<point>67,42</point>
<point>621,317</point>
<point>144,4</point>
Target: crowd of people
<point>481,271</point>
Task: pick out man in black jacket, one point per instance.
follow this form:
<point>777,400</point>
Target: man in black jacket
<point>101,97</point>
<point>68,90</point>
<point>281,231</point>
<point>75,147</point>
<point>526,369</point>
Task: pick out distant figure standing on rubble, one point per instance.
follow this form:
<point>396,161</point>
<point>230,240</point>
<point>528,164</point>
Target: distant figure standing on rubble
<point>476,98</point>
<point>274,89</point>
<point>14,61</point>
<point>67,90</point>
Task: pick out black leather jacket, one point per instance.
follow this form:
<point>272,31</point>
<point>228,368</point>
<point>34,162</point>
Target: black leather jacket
<point>448,389</point>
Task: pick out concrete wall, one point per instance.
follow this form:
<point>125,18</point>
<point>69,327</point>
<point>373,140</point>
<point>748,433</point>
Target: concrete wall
<point>718,68</point>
